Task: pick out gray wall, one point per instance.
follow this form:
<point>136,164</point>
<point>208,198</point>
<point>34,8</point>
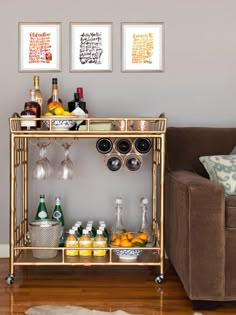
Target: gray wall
<point>197,88</point>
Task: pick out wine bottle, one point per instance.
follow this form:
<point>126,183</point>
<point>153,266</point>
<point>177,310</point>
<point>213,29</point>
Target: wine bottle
<point>58,215</point>
<point>28,124</point>
<point>35,107</point>
<point>38,93</point>
<point>82,102</point>
<point>42,213</point>
<point>114,162</point>
<point>54,86</point>
<point>123,146</point>
<point>133,162</point>
<point>104,145</point>
<point>142,145</point>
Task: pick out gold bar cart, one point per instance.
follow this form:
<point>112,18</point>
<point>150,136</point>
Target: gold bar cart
<point>21,252</point>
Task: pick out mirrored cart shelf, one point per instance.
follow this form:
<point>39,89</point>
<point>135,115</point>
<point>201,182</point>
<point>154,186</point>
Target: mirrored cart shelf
<point>154,128</point>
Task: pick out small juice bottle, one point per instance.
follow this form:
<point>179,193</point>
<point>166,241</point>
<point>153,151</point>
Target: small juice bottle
<point>71,242</point>
<point>100,242</point>
<point>84,242</point>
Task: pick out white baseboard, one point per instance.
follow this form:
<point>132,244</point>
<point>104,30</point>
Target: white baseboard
<point>4,250</point>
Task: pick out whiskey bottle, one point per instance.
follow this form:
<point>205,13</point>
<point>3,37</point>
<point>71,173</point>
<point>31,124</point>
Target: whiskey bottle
<point>28,124</point>
<point>54,86</point>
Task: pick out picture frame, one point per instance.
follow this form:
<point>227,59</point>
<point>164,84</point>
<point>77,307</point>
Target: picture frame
<point>91,47</point>
<point>39,47</point>
<point>142,47</point>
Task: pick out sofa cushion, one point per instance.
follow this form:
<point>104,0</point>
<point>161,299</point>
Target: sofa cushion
<point>222,169</point>
<point>230,212</point>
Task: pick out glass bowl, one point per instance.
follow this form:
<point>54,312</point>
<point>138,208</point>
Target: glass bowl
<point>58,123</point>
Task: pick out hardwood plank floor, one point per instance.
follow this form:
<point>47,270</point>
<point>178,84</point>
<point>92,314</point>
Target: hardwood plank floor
<point>131,289</point>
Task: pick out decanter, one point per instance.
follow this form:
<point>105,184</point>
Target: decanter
<point>145,227</point>
<point>118,226</point>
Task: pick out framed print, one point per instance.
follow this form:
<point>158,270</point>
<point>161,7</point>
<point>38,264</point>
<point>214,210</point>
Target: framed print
<point>142,48</point>
<point>90,47</point>
<point>39,47</point>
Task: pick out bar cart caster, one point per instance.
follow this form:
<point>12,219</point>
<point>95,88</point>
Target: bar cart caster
<point>10,278</point>
<point>159,279</point>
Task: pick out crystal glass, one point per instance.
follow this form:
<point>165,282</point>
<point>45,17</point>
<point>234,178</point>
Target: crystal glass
<point>65,170</point>
<point>42,168</point>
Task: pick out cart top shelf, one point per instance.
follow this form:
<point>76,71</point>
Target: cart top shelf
<point>92,127</point>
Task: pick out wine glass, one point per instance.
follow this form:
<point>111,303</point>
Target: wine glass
<point>42,168</point>
<point>65,170</point>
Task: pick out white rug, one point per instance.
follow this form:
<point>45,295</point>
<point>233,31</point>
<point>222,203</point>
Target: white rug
<point>67,310</point>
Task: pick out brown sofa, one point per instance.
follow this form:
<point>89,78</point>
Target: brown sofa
<point>200,222</point>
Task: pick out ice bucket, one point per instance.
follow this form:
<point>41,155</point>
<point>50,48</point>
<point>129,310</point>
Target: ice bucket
<point>44,233</point>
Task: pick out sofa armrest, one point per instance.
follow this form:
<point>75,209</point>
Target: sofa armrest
<point>195,233</point>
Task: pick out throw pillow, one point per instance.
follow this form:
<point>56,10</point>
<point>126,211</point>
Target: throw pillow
<point>222,169</point>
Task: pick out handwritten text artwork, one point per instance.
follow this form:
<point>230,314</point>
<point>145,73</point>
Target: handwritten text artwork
<point>40,47</point>
<point>91,48</point>
<point>142,48</point>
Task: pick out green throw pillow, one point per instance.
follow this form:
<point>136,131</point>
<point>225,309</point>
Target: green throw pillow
<point>222,169</point>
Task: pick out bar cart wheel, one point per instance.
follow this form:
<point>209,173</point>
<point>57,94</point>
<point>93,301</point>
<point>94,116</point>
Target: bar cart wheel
<point>10,279</point>
<point>159,279</point>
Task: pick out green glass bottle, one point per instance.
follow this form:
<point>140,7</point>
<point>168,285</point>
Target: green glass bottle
<point>42,213</point>
<point>58,215</point>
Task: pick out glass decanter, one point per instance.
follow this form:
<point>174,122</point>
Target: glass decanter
<point>118,226</point>
<point>145,227</point>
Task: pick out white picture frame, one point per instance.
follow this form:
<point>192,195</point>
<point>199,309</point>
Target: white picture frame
<point>90,47</point>
<point>39,47</point>
<point>142,47</point>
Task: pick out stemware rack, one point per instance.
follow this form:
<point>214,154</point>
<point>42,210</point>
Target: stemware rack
<point>21,252</point>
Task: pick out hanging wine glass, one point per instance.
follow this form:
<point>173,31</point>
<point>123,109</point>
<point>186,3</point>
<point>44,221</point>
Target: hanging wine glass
<point>65,170</point>
<point>42,168</point>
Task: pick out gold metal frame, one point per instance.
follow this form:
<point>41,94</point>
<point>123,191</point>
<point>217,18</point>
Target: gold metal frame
<point>20,249</point>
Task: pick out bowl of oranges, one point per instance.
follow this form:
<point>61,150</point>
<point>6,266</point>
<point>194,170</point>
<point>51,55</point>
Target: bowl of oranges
<point>130,241</point>
<point>59,118</point>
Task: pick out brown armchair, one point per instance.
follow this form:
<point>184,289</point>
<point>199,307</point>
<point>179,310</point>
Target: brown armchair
<point>200,222</point>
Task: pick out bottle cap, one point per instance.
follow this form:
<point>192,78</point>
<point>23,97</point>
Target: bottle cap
<point>71,231</point>
<point>54,80</point>
<point>80,91</point>
<point>85,231</point>
<point>99,232</point>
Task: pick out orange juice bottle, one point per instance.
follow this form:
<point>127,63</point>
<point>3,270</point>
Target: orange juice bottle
<point>100,242</point>
<point>84,242</point>
<point>71,242</point>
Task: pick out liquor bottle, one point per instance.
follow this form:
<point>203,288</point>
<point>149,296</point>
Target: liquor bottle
<point>123,146</point>
<point>58,215</point>
<point>80,91</point>
<point>85,242</point>
<point>145,227</point>
<point>133,162</point>
<point>55,103</point>
<point>42,213</point>
<point>99,242</point>
<point>118,226</point>
<point>54,86</point>
<point>35,106</point>
<point>142,145</point>
<point>38,93</point>
<point>72,243</point>
<point>104,145</point>
<point>28,124</point>
<point>75,103</point>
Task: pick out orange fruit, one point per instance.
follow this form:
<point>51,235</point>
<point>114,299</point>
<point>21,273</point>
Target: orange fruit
<point>53,105</point>
<point>126,243</point>
<point>143,236</point>
<point>116,242</point>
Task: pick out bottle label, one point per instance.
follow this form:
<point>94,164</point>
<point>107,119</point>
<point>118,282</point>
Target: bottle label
<point>84,244</point>
<point>70,244</point>
<point>57,215</point>
<point>42,214</point>
<point>99,252</point>
<point>28,123</point>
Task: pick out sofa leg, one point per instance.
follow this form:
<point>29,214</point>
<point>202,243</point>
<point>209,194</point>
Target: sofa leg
<point>204,305</point>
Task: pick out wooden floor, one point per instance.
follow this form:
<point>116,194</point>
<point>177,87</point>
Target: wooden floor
<point>131,289</point>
